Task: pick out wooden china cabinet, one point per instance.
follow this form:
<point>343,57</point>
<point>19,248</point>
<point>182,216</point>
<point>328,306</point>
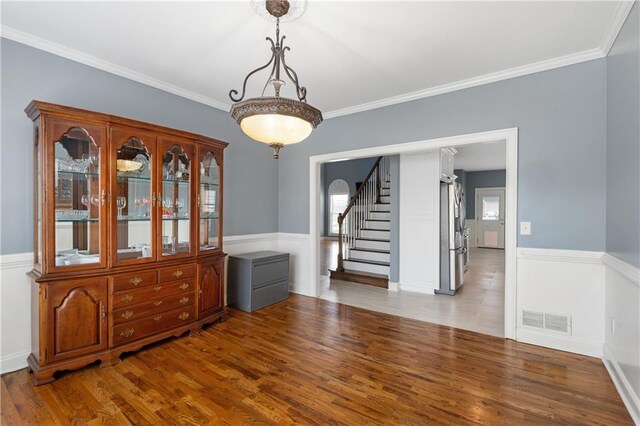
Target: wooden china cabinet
<point>128,236</point>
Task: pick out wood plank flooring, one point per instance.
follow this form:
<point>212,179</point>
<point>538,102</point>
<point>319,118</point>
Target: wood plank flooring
<point>310,361</point>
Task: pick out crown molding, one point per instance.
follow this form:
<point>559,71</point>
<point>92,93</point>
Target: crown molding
<point>92,61</point>
<point>574,58</point>
<point>619,17</point>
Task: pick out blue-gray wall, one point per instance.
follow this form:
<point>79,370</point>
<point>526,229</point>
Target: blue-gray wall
<point>352,171</point>
<point>250,196</point>
<point>561,119</point>
<point>623,143</point>
<point>481,179</point>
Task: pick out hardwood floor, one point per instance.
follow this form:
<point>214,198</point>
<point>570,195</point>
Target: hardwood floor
<point>328,256</point>
<point>310,361</point>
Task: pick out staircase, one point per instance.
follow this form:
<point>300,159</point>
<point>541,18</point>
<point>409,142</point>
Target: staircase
<point>364,231</point>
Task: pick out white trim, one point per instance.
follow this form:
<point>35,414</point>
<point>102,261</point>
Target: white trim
<point>571,59</point>
<point>619,17</point>
<point>101,64</point>
<point>249,238</point>
<point>510,136</point>
<point>555,255</point>
<point>625,269</point>
<point>395,287</point>
<point>18,260</point>
<point>292,236</point>
<point>624,388</point>
<point>14,362</point>
<point>560,342</point>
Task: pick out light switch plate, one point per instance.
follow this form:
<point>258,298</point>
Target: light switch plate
<point>525,228</point>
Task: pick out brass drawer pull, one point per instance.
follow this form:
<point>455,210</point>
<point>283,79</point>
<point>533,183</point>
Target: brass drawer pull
<point>157,318</point>
<point>128,332</point>
<point>127,298</point>
<point>184,300</point>
<point>184,286</point>
<point>183,316</point>
<point>135,281</point>
<point>158,288</point>
<point>158,302</point>
<point>178,273</point>
<point>127,314</point>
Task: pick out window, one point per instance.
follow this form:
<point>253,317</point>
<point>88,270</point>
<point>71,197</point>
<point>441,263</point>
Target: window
<point>490,207</point>
<point>338,201</point>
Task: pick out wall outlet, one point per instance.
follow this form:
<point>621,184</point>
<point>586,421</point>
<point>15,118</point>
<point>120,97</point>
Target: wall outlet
<point>525,228</point>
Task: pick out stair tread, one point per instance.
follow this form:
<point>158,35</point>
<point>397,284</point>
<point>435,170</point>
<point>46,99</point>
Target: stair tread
<point>368,274</point>
<point>372,239</point>
<point>377,220</point>
<point>371,250</point>
<point>373,229</point>
<point>370,262</point>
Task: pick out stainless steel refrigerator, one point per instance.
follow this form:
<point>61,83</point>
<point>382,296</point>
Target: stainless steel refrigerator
<point>452,241</point>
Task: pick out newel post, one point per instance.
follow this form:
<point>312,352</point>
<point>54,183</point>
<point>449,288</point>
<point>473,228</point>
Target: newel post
<point>340,267</point>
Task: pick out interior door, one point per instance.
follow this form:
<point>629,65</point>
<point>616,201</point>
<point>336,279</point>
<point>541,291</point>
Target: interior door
<point>490,217</point>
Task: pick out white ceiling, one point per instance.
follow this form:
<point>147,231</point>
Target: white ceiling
<point>351,56</point>
<point>482,156</point>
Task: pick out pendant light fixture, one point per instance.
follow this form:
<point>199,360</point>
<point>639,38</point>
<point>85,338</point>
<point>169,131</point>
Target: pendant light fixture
<point>275,120</point>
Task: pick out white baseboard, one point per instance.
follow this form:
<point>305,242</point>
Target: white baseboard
<point>395,287</point>
<point>559,341</point>
<point>14,362</point>
<point>630,399</point>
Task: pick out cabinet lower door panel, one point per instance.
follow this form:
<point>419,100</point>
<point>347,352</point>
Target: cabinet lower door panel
<point>76,317</point>
<point>210,286</point>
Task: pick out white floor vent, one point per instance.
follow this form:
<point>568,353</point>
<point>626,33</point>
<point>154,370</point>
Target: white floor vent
<point>546,321</point>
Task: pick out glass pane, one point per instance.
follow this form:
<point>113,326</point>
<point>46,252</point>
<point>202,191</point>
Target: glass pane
<point>490,207</point>
<point>133,200</point>
<point>176,169</point>
<point>77,199</point>
<point>490,238</point>
<point>209,202</point>
<point>338,205</point>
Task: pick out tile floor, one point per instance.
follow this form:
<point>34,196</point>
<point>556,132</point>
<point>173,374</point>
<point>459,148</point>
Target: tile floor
<point>477,306</point>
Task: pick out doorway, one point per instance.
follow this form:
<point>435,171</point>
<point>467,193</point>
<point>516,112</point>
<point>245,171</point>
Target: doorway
<point>508,136</point>
<point>490,211</point>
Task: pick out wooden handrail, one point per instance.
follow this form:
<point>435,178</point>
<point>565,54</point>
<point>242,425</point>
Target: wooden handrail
<point>342,215</point>
<point>359,191</point>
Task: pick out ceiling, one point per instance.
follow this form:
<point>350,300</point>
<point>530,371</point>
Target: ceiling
<point>481,156</point>
<point>351,56</point>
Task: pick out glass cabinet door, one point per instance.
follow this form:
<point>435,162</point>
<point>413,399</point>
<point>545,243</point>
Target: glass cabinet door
<point>174,201</point>
<point>133,196</point>
<point>78,195</point>
<point>209,198</point>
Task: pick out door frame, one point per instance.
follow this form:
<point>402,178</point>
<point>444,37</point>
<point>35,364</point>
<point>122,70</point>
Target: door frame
<point>509,136</point>
<point>476,216</point>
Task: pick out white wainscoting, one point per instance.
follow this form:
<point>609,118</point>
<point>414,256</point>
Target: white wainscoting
<point>622,331</point>
<point>15,311</point>
<point>565,282</point>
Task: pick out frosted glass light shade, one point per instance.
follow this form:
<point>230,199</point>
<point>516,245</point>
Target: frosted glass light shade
<point>276,128</point>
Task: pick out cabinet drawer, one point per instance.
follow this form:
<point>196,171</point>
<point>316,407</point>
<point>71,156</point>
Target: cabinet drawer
<point>269,294</point>
<point>139,279</point>
<point>177,273</point>
<point>147,326</point>
<point>149,307</point>
<point>267,271</point>
<point>152,292</point>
